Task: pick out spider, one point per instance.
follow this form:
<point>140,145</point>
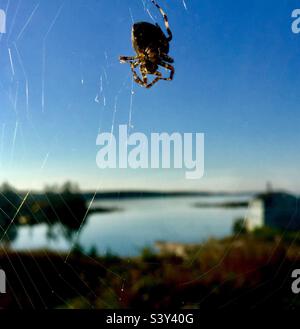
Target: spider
<point>152,48</point>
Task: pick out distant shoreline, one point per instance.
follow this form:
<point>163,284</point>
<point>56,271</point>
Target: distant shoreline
<point>102,210</point>
<point>159,194</point>
<point>89,195</point>
<point>240,204</point>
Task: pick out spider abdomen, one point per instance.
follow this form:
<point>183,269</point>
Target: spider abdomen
<point>149,36</point>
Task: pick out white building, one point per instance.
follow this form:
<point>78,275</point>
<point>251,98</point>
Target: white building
<point>277,210</point>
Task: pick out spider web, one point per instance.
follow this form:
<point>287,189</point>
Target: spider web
<point>18,92</point>
<point>21,104</point>
<point>15,90</point>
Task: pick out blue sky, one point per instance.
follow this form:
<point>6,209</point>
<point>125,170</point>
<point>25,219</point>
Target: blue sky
<point>237,80</point>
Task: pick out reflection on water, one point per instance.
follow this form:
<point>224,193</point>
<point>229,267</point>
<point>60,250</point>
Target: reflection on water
<point>141,222</point>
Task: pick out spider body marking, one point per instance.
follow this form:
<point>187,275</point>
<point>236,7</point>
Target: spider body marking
<point>152,47</point>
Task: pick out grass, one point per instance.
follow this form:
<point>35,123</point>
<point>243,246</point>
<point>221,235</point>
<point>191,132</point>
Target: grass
<point>249,271</point>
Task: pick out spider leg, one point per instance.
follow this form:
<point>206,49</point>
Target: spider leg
<point>144,81</point>
<point>144,75</point>
<point>158,77</point>
<point>124,59</point>
<point>165,19</point>
<point>133,64</point>
<point>166,58</point>
<point>170,68</point>
<point>136,78</point>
